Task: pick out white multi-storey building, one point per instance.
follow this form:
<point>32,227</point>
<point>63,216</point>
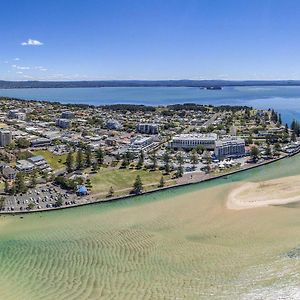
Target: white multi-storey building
<point>63,123</point>
<point>191,141</point>
<point>5,137</point>
<point>230,147</point>
<point>148,128</point>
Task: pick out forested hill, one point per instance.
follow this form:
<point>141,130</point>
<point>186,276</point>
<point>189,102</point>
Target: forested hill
<point>144,83</point>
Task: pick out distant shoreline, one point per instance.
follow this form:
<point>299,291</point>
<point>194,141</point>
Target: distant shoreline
<point>209,84</point>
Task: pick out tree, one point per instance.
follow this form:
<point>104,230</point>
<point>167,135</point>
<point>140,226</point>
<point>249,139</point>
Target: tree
<point>6,187</point>
<point>200,149</point>
<point>286,128</point>
<point>153,159</point>
<point>161,182</point>
<point>88,156</point>
<point>180,161</point>
<point>79,160</point>
<point>179,171</point>
<point>70,162</point>
<point>2,202</point>
<point>111,192</point>
<point>254,153</point>
<point>138,185</point>
<point>125,161</point>
<point>59,202</point>
<point>30,206</point>
<point>268,151</point>
<point>194,159</point>
<point>166,159</point>
<point>277,148</point>
<point>100,156</point>
<point>95,166</point>
<point>141,160</point>
<point>88,183</point>
<point>22,143</point>
<point>20,183</point>
<point>293,137</point>
<point>33,181</point>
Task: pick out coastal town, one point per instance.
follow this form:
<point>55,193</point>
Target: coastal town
<point>56,155</point>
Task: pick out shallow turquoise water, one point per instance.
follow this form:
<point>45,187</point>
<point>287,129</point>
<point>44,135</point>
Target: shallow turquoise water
<point>180,243</point>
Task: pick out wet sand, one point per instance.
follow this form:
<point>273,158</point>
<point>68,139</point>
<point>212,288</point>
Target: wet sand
<point>260,194</point>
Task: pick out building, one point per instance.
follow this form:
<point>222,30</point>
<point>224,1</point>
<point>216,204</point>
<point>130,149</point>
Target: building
<point>5,137</point>
<point>24,166</point>
<point>110,141</point>
<point>40,142</point>
<point>230,147</point>
<point>140,143</point>
<point>9,173</point>
<point>63,123</point>
<point>148,128</point>
<point>16,114</point>
<point>67,115</point>
<point>113,124</point>
<point>191,141</point>
<point>40,163</point>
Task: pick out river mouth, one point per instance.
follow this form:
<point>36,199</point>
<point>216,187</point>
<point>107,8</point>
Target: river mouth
<point>182,243</point>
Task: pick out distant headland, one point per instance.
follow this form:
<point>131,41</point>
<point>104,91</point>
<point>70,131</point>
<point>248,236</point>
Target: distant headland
<point>209,84</point>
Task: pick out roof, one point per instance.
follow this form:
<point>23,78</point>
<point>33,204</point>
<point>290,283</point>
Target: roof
<point>35,159</point>
<point>8,171</point>
<point>196,136</point>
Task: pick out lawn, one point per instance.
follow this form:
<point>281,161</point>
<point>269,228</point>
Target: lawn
<point>56,162</point>
<point>122,179</point>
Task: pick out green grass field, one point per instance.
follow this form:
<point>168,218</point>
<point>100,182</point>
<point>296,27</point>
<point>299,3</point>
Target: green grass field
<point>122,179</point>
<point>55,161</point>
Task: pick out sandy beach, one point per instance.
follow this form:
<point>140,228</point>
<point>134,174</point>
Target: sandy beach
<point>260,194</point>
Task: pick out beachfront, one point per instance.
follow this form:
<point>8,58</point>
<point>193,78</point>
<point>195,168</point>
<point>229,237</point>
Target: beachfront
<point>87,154</point>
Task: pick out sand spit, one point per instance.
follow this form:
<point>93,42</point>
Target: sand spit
<point>260,194</point>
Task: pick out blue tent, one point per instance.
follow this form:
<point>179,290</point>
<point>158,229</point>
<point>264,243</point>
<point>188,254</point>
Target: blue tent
<point>82,190</point>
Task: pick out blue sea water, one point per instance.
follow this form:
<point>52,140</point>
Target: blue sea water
<point>286,100</point>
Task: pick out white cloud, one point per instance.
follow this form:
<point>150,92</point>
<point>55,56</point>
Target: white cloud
<point>40,68</point>
<point>31,42</point>
<point>19,72</point>
<point>20,67</point>
<point>17,59</point>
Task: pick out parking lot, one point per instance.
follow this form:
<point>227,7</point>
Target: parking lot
<point>42,197</point>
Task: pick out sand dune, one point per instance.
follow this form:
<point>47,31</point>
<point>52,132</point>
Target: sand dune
<point>259,194</point>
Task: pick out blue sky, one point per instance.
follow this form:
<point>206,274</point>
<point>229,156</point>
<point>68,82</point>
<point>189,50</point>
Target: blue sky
<point>140,39</point>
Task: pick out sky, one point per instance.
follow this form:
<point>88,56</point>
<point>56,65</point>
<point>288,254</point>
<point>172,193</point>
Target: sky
<point>157,39</point>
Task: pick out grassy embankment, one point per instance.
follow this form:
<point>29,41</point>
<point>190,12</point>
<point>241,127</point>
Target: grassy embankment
<point>120,179</point>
